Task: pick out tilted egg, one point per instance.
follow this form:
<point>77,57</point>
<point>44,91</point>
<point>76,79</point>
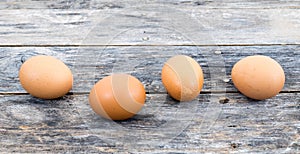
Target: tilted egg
<point>258,77</point>
<point>117,97</point>
<point>182,77</point>
<point>45,77</point>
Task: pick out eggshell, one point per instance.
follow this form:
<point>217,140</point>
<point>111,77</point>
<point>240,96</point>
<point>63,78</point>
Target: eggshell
<point>182,77</point>
<point>45,77</point>
<point>258,77</point>
<point>117,97</point>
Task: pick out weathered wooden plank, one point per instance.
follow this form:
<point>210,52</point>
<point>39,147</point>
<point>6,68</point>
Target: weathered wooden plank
<point>89,64</point>
<point>109,4</point>
<point>150,25</point>
<point>69,125</point>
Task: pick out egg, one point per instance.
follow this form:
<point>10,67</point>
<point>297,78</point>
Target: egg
<point>45,77</point>
<point>117,97</point>
<point>258,77</point>
<point>182,77</point>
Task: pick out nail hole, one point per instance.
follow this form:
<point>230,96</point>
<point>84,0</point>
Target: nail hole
<point>223,100</point>
<point>234,145</point>
<point>232,126</point>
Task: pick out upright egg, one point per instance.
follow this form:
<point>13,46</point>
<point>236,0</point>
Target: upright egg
<point>45,77</point>
<point>117,97</point>
<point>182,77</point>
<point>258,77</point>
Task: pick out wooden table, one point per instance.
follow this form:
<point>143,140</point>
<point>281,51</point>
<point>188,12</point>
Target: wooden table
<point>97,38</point>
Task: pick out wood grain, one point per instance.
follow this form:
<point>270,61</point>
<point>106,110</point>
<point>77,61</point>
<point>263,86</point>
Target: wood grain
<point>98,37</point>
<point>109,4</point>
<point>144,25</point>
<point>90,64</point>
<point>69,125</point>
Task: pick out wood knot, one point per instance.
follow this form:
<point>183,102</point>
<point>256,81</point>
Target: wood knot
<point>25,113</point>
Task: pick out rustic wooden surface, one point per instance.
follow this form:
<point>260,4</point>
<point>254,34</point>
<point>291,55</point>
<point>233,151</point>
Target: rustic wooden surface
<point>85,61</point>
<point>97,38</point>
<point>68,23</point>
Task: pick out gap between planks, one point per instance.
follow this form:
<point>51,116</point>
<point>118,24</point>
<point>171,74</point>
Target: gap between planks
<point>157,93</point>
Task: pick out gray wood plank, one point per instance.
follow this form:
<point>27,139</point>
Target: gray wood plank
<point>109,4</point>
<point>90,64</point>
<point>69,125</point>
<point>149,25</point>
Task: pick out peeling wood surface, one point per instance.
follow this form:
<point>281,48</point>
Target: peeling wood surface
<point>150,25</point>
<point>89,64</point>
<point>98,37</point>
<point>110,4</point>
<point>68,125</point>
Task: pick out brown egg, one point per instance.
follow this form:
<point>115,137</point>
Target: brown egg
<point>258,77</point>
<point>45,77</point>
<point>182,77</point>
<point>117,97</point>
